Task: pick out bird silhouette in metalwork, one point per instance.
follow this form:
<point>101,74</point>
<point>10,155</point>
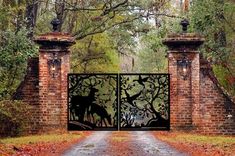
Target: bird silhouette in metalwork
<point>130,99</point>
<point>141,80</point>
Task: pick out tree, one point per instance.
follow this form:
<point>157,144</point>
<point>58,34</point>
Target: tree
<point>151,52</point>
<point>210,18</point>
<point>95,54</point>
<point>144,100</point>
<point>15,49</point>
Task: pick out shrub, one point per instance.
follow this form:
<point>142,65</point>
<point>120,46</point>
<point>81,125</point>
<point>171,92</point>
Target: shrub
<point>15,49</point>
<point>14,118</point>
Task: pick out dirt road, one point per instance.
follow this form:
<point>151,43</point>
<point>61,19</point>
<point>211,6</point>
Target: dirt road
<point>129,143</point>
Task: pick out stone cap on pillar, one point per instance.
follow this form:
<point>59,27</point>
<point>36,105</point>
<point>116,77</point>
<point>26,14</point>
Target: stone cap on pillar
<point>55,38</point>
<point>183,41</point>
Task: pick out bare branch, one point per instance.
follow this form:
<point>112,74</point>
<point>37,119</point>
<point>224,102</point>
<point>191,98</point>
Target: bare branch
<point>99,29</point>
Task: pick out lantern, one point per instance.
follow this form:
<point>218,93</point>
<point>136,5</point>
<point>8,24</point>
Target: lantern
<point>184,67</point>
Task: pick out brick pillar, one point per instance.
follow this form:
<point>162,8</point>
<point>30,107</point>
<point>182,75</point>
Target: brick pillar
<point>184,93</point>
<point>54,65</point>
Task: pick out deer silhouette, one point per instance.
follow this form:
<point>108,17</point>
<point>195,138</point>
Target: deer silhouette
<point>101,112</point>
<point>80,104</point>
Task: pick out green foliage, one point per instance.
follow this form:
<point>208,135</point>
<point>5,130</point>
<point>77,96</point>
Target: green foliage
<point>43,23</point>
<point>95,54</point>
<point>152,54</point>
<point>15,49</point>
<point>4,17</point>
<point>225,78</point>
<point>212,18</point>
<point>14,118</point>
<point>12,14</point>
<point>215,20</point>
<point>207,19</point>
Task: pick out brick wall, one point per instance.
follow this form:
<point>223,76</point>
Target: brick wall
<point>184,94</point>
<point>197,103</point>
<point>215,105</point>
<point>28,92</point>
<point>53,89</point>
<point>47,94</point>
<point>53,92</point>
<point>180,107</point>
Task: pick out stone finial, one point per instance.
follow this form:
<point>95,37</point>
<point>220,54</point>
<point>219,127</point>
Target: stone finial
<point>55,24</point>
<point>184,23</point>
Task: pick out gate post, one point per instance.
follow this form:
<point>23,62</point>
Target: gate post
<point>184,69</point>
<point>54,65</point>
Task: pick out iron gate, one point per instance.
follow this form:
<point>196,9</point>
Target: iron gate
<point>118,102</point>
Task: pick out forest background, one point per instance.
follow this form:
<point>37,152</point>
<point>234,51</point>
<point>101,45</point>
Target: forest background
<point>115,35</point>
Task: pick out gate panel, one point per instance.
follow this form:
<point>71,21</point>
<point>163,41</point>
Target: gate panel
<point>92,101</point>
<point>144,102</point>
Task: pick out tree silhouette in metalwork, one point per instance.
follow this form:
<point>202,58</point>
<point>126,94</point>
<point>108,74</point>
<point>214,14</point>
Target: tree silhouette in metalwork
<point>144,100</point>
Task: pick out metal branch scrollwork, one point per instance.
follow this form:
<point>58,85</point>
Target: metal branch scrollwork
<point>144,101</point>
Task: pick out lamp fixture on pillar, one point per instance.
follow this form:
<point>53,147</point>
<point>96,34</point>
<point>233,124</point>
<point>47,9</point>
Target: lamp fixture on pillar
<point>184,67</point>
<point>54,64</point>
<point>184,63</point>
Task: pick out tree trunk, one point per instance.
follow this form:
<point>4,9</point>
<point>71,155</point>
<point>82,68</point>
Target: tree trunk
<point>31,15</point>
<point>186,6</point>
<point>60,12</point>
<point>220,36</point>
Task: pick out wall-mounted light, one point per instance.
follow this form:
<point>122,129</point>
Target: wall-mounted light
<point>228,107</point>
<point>184,67</point>
<point>54,64</point>
<point>229,116</point>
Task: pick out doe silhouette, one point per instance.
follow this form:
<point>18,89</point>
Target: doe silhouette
<point>80,104</point>
<point>101,112</point>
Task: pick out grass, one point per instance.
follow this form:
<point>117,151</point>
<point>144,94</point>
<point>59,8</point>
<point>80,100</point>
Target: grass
<point>201,139</point>
<point>34,144</point>
<point>220,140</point>
<point>197,144</point>
<point>49,138</point>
